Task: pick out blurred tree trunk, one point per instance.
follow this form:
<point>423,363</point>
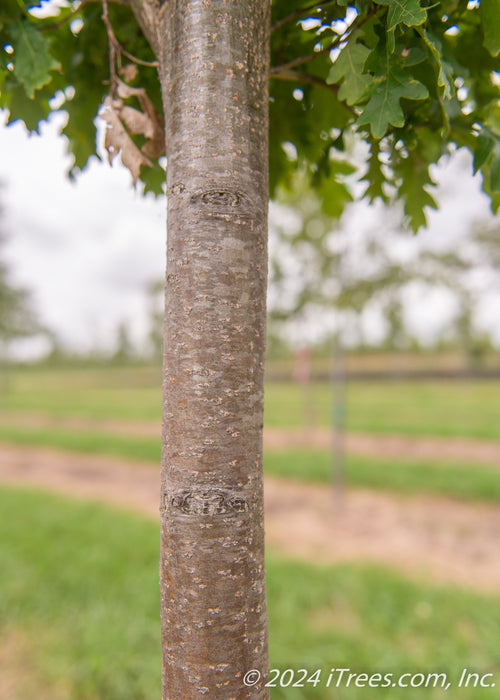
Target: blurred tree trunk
<point>213,64</point>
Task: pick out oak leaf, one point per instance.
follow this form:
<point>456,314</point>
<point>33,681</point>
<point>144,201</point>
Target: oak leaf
<point>122,120</point>
<point>117,139</point>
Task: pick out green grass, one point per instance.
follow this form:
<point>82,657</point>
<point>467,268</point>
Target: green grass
<point>108,392</point>
<point>419,408</point>
<point>117,444</point>
<point>446,408</point>
<point>463,480</point>
<point>80,582</point>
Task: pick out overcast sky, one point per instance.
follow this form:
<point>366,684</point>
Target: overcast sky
<point>87,250</point>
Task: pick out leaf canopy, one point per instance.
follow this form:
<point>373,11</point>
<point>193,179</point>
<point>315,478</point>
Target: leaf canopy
<point>348,70</point>
<point>390,84</point>
<point>411,78</point>
<point>409,13</point>
<point>33,62</point>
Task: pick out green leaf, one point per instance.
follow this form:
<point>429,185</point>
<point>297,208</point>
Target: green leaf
<point>8,10</point>
<point>413,173</point>
<point>392,84</point>
<point>414,57</point>
<point>307,126</point>
<point>32,59</point>
<point>375,176</point>
<point>484,146</point>
<point>495,170</point>
<point>450,106</point>
<point>490,15</point>
<point>31,112</point>
<point>348,70</point>
<point>334,196</point>
<point>333,191</point>
<point>406,12</point>
<point>487,186</point>
<point>81,135</point>
<point>153,179</point>
<point>80,129</point>
<point>434,46</point>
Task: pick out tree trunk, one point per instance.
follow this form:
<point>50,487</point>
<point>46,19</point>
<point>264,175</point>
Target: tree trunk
<point>214,73</point>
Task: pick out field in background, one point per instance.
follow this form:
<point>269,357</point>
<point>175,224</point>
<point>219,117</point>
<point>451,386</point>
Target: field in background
<point>467,408</point>
<point>117,411</point>
<point>79,613</point>
<point>79,601</point>
<point>392,364</point>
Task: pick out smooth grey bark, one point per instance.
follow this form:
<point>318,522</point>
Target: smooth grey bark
<point>213,67</point>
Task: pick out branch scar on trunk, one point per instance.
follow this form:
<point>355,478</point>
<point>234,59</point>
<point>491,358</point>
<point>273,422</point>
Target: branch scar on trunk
<point>207,502</point>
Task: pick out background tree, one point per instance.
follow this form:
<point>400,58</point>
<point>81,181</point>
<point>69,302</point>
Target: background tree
<point>17,318</point>
<point>409,79</point>
<point>124,346</point>
<point>327,277</point>
<point>472,272</point>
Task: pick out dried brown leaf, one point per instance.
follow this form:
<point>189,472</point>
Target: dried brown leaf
<point>129,72</point>
<point>117,139</point>
<point>136,122</point>
<point>153,128</point>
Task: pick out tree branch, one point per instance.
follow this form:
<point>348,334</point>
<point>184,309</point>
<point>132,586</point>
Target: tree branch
<point>300,60</point>
<point>356,23</point>
<point>139,61</point>
<point>281,73</point>
<point>298,14</point>
<point>116,50</point>
<point>146,13</point>
<point>113,47</point>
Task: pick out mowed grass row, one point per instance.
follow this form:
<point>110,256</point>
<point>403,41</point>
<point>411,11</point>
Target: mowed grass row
<point>439,408</point>
<point>79,609</point>
<point>462,480</point>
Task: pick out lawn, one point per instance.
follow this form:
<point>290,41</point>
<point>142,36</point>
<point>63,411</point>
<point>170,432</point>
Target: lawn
<point>79,612</point>
<point>128,394</point>
<point>439,408</point>
<point>403,475</point>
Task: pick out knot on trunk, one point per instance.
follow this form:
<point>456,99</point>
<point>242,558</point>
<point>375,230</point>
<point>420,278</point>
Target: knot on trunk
<point>208,502</point>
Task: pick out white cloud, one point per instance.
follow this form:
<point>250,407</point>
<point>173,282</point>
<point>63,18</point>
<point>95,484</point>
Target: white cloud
<point>86,249</point>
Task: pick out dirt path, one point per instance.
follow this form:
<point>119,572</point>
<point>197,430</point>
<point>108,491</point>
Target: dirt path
<point>453,449</point>
<point>428,537</point>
